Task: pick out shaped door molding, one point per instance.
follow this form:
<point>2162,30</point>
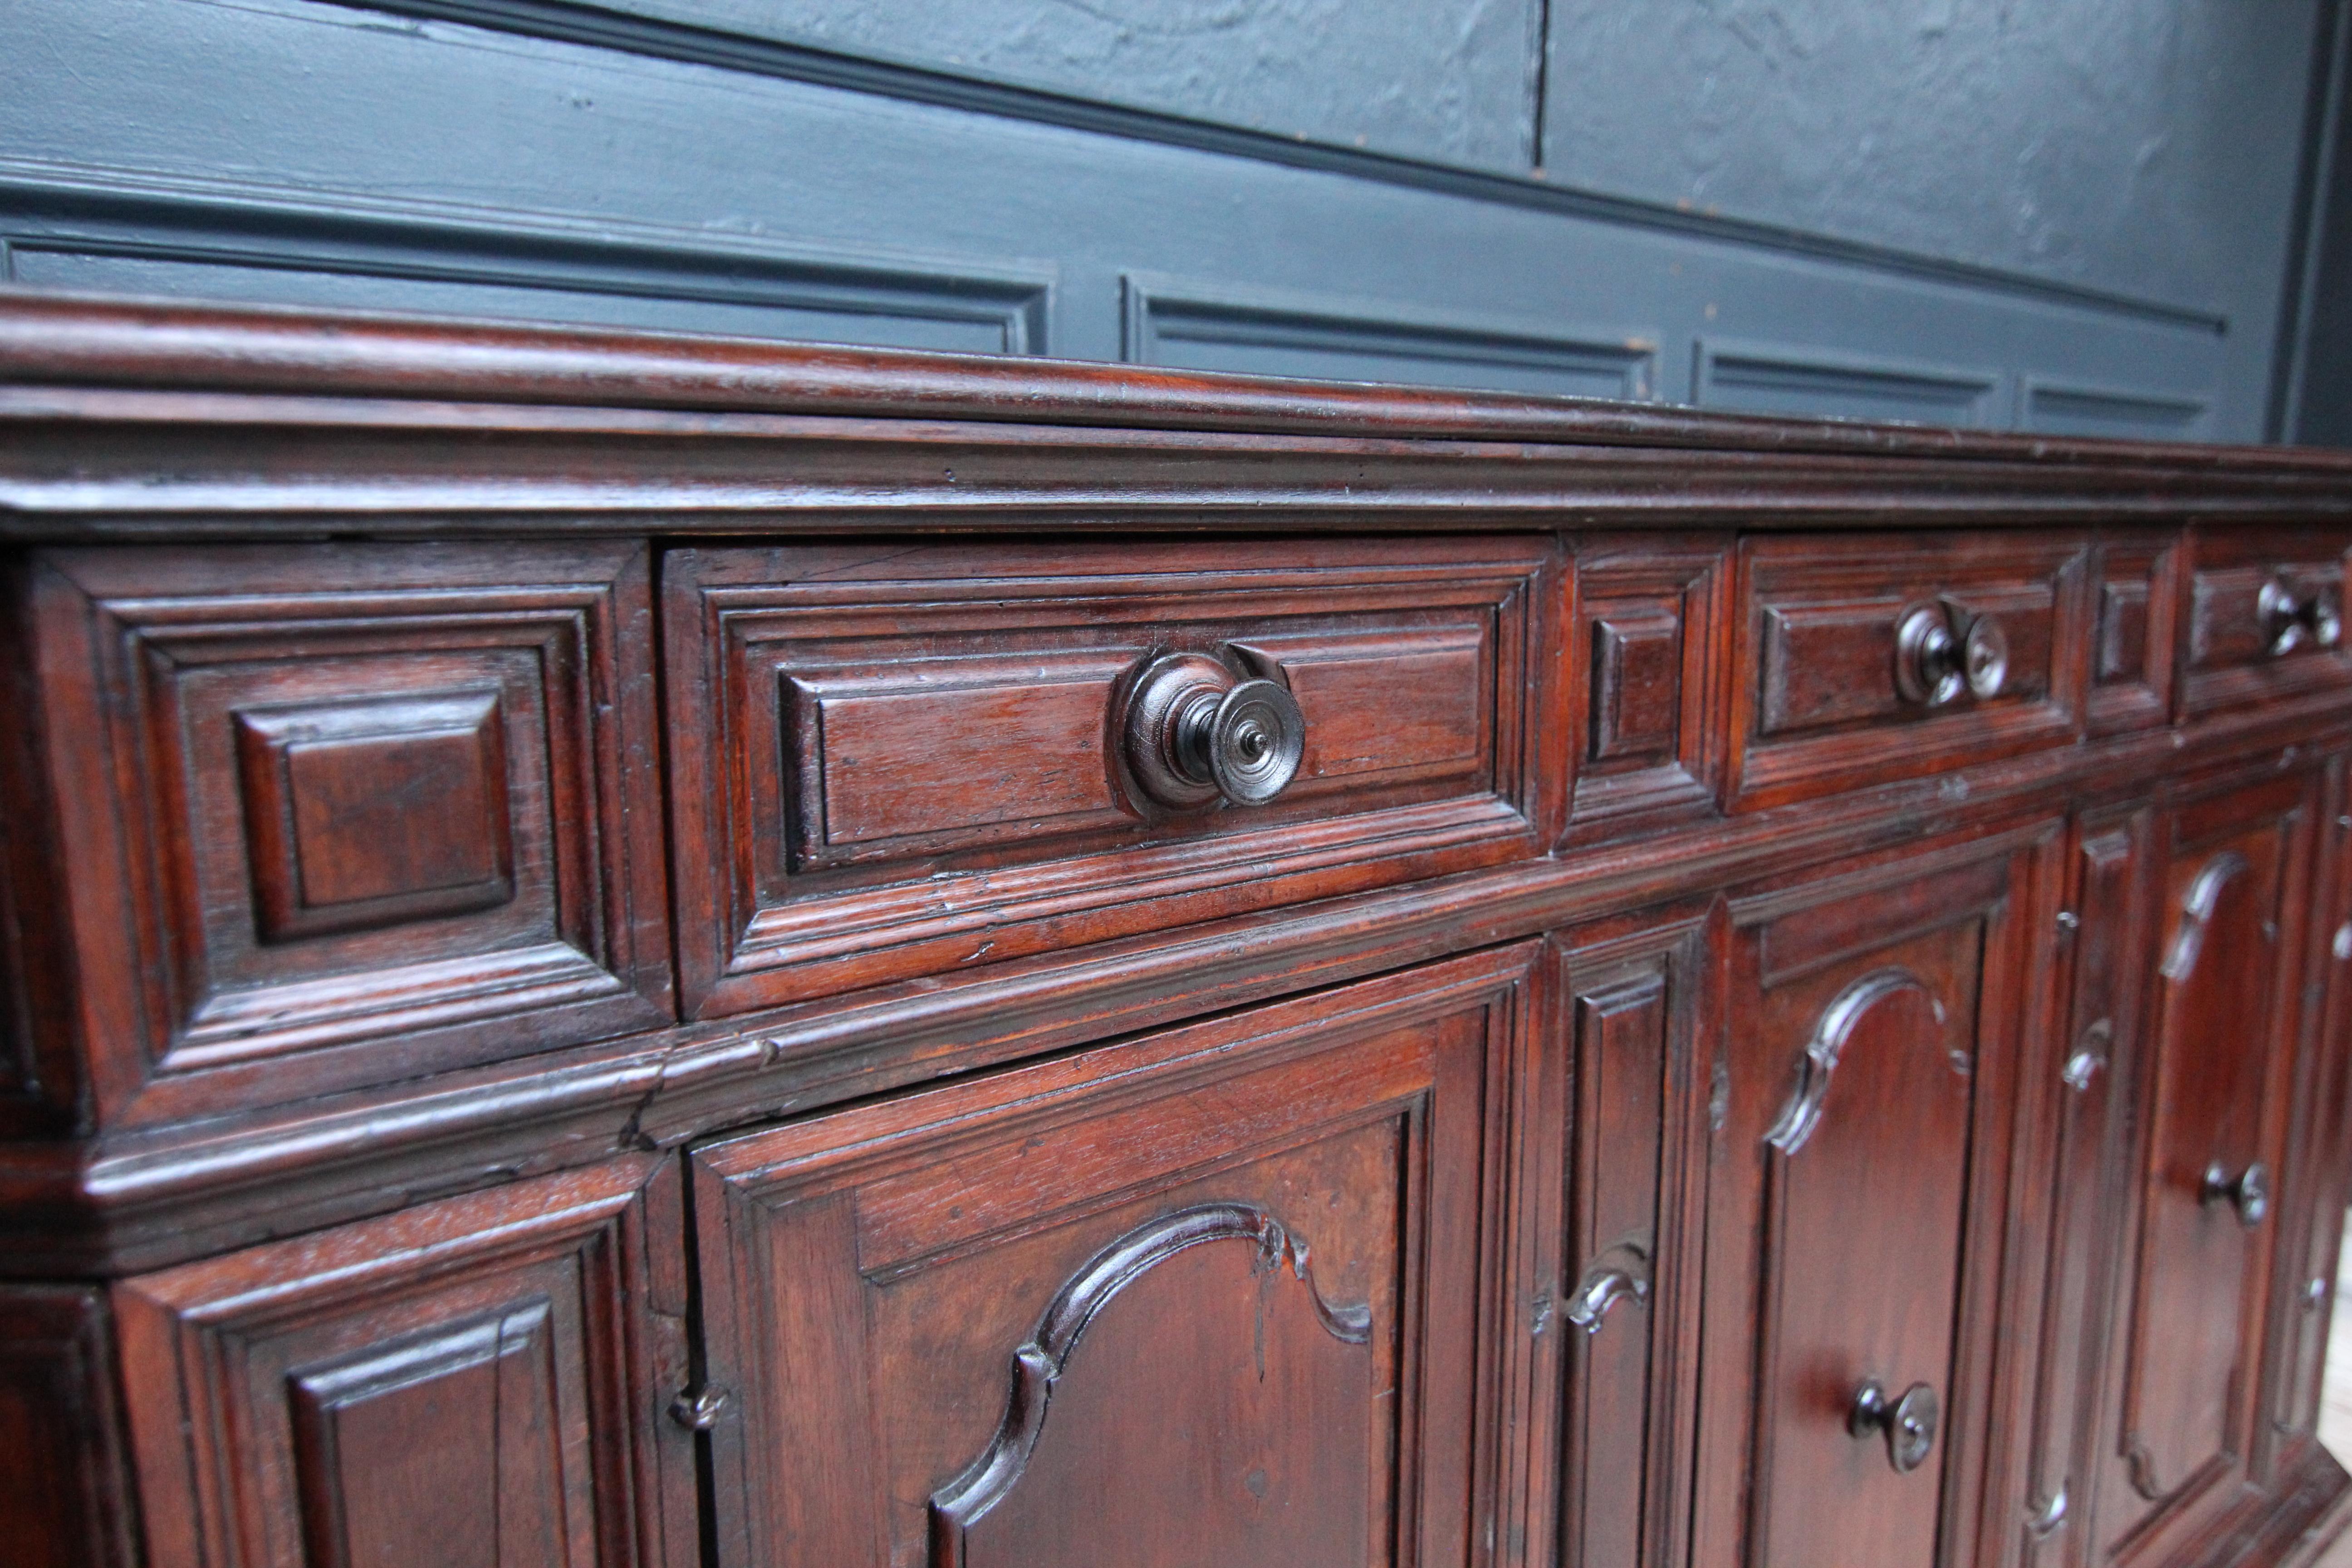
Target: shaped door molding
<point>1040,1363</point>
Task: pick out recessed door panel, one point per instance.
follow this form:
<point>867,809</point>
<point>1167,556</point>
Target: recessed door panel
<point>1858,1157</point>
<point>2208,1176</point>
<point>1620,1132</point>
<point>1218,1295</point>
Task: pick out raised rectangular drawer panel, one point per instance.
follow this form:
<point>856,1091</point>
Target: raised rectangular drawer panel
<point>350,814</point>
<point>2136,578</point>
<point>893,762</point>
<point>2265,617</point>
<point>1649,614</point>
<point>1832,691</point>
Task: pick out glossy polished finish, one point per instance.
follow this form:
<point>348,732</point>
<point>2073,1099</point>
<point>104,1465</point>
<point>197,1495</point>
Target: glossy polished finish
<point>657,954</point>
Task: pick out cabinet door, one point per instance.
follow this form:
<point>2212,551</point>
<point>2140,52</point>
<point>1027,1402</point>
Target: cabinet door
<point>1856,1202</point>
<point>2212,1093</point>
<point>1620,1112</point>
<point>2317,1185</point>
<point>476,1382</point>
<point>61,1477</point>
<point>1222,1295</point>
<point>2080,1114</point>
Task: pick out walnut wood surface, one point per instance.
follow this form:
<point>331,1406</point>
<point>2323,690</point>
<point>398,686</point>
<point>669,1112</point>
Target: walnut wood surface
<point>476,1381</point>
<point>585,978</point>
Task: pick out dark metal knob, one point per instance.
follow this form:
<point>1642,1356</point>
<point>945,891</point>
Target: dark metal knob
<point>2324,619</point>
<point>2249,1194</point>
<point>1926,658</point>
<point>1195,731</point>
<point>1941,651</point>
<point>1908,1424</point>
<point>1984,657</point>
<point>2089,1056</point>
<point>2042,1519</point>
<point>698,1410</point>
<point>1603,1286</point>
<point>2289,619</point>
<point>1251,743</point>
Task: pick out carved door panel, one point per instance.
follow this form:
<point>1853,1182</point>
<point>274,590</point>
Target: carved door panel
<point>1222,1294</point>
<point>1855,1207</point>
<point>476,1382</point>
<point>2080,1111</point>
<point>1620,1116</point>
<point>62,1486</point>
<point>2213,1101</point>
<point>2317,1185</point>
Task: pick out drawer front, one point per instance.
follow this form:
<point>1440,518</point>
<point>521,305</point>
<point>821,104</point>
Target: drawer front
<point>894,763</point>
<point>347,815</point>
<point>2265,618</point>
<point>2135,603</point>
<point>1968,648</point>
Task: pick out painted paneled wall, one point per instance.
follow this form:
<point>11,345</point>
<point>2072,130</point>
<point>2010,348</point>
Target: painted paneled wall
<point>2062,214</point>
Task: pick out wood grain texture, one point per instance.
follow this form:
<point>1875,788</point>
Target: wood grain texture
<point>353,794</point>
<point>133,419</point>
<point>2319,1166</point>
<point>1617,1153</point>
<point>2227,656</point>
<point>1653,614</point>
<point>2137,610</point>
<point>1893,998</point>
<point>1277,1234</point>
<point>59,338</point>
<point>906,761</point>
<point>476,1381</point>
<point>1816,704</point>
<point>1074,1178</point>
<point>2080,1107</point>
<point>65,1491</point>
<point>2214,1090</point>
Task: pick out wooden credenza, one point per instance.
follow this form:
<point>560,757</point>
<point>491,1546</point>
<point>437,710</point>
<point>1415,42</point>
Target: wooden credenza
<point>623,951</point>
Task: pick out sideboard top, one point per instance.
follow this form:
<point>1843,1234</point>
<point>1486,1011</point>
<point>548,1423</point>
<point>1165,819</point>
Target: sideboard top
<point>122,415</point>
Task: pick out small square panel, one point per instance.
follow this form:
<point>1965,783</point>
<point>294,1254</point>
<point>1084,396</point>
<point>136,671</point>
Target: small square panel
<point>2138,577</point>
<point>1637,657</point>
<point>2123,631</point>
<point>357,813</point>
<point>1649,607</point>
<point>367,814</point>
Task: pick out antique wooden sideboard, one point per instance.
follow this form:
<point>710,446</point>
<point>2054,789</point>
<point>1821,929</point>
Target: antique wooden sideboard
<point>624,951</point>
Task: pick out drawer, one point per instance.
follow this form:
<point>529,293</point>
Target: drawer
<point>1650,611</point>
<point>2265,617</point>
<point>345,815</point>
<point>893,762</point>
<point>2135,611</point>
<point>1863,659</point>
